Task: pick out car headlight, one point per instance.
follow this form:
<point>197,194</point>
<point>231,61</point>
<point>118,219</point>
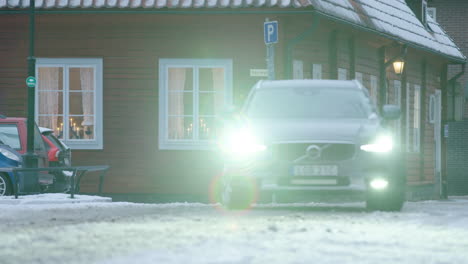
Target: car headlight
<point>240,143</point>
<point>9,154</point>
<point>379,184</point>
<point>382,144</point>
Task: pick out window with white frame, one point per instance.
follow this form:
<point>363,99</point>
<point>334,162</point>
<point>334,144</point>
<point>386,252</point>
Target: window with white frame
<point>459,107</point>
<point>342,74</point>
<point>432,12</point>
<point>408,123</point>
<point>373,88</point>
<point>192,92</point>
<point>416,118</point>
<point>432,109</point>
<point>298,69</point>
<point>69,100</point>
<point>396,100</point>
<point>358,76</point>
<point>424,12</point>
<point>317,71</point>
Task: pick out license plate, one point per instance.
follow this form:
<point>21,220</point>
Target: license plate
<point>315,170</point>
<point>314,181</point>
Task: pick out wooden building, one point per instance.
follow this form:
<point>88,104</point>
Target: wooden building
<point>137,84</point>
<point>451,15</point>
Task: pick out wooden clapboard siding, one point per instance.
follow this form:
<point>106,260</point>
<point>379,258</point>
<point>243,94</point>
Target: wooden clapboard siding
<point>13,39</point>
<point>131,46</point>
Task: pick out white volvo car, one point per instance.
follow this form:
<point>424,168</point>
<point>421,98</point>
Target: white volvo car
<point>312,136</point>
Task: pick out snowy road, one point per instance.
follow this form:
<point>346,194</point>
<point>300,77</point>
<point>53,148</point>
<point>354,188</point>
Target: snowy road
<point>105,233</point>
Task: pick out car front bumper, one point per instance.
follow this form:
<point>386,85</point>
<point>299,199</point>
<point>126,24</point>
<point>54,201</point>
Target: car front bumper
<point>353,175</point>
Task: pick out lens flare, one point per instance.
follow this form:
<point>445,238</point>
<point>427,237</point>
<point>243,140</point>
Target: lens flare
<point>215,194</point>
<point>383,144</point>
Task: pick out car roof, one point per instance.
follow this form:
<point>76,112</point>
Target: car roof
<point>12,119</point>
<point>329,84</point>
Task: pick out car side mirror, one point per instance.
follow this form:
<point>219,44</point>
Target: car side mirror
<point>391,112</point>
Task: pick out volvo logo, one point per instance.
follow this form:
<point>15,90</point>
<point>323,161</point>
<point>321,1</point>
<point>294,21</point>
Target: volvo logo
<point>313,151</point>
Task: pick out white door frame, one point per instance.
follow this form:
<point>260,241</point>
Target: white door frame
<point>438,139</point>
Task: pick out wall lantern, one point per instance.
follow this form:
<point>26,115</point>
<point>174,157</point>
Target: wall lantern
<point>398,66</point>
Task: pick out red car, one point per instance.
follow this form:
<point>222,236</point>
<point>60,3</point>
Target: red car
<point>58,153</point>
<point>13,137</point>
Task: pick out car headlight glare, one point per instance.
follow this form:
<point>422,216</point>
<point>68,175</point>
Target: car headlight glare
<point>383,143</point>
<point>379,184</point>
<point>9,154</point>
<point>240,143</point>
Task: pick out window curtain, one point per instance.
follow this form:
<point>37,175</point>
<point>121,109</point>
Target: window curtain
<point>49,80</point>
<point>176,103</point>
<point>87,87</point>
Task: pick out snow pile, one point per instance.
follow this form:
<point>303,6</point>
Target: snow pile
<point>52,198</point>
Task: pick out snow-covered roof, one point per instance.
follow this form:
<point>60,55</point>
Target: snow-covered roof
<point>393,19</point>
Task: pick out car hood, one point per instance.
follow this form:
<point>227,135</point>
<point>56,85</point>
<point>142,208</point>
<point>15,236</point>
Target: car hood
<point>317,130</point>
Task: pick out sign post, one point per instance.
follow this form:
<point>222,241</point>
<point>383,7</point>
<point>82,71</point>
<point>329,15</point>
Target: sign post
<point>270,34</point>
<point>31,82</point>
<point>30,159</point>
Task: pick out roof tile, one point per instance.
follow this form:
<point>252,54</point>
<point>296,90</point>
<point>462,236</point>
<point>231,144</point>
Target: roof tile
<point>391,18</point>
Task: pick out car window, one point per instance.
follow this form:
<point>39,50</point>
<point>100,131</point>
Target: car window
<point>55,141</point>
<point>307,102</point>
<point>46,144</point>
<point>38,141</point>
<point>9,135</point>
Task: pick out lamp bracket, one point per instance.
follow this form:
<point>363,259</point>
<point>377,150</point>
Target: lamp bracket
<point>402,55</point>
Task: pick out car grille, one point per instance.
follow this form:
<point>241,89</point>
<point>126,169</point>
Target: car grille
<point>329,151</point>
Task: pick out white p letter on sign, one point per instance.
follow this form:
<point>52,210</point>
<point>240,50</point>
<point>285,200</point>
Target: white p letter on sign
<point>270,32</point>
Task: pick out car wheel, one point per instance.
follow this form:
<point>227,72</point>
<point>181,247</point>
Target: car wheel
<point>238,194</point>
<point>388,200</point>
<point>5,186</point>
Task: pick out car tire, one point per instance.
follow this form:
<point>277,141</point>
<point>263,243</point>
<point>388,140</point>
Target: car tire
<point>5,185</point>
<point>390,200</point>
<point>238,194</point>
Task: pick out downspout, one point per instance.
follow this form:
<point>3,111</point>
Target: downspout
<point>293,42</point>
<point>452,82</point>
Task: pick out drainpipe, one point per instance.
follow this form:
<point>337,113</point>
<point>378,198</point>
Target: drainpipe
<point>452,82</point>
<point>293,42</point>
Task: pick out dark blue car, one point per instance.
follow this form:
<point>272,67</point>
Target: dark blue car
<point>9,158</point>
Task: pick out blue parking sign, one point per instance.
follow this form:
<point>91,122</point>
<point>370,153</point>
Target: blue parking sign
<point>270,32</point>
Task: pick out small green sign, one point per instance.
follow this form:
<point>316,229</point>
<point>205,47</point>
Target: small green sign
<point>31,81</point>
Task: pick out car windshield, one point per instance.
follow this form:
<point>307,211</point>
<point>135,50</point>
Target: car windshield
<point>9,136</point>
<point>307,102</point>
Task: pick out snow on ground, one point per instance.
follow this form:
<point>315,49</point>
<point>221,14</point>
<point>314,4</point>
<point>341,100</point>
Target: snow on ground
<point>114,233</point>
<point>52,199</point>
